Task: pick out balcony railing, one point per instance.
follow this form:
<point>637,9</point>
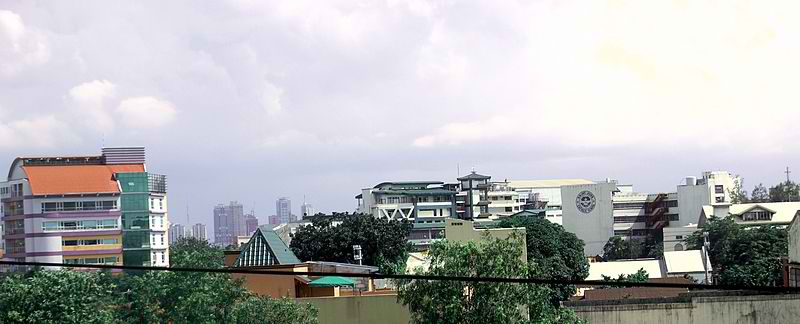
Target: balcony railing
<point>157,182</point>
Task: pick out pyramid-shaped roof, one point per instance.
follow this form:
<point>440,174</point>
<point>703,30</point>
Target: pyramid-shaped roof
<point>265,248</point>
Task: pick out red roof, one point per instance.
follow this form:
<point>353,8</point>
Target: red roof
<point>76,179</point>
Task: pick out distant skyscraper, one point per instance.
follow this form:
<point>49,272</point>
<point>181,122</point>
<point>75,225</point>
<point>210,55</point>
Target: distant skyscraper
<point>274,219</point>
<point>251,223</point>
<point>306,209</point>
<point>228,223</point>
<point>283,209</point>
<point>176,232</point>
<point>199,231</point>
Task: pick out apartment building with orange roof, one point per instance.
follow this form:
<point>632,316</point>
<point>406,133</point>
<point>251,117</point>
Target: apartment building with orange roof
<point>104,209</point>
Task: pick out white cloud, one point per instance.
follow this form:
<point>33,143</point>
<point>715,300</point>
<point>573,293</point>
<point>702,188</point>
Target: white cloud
<point>90,98</point>
<point>20,46</point>
<point>43,131</point>
<point>146,112</point>
<point>271,98</point>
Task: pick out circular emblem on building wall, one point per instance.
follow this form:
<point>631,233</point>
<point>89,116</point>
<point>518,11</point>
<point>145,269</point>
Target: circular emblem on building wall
<point>585,201</point>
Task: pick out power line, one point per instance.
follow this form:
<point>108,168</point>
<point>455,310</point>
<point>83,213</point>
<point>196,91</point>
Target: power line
<point>416,277</point>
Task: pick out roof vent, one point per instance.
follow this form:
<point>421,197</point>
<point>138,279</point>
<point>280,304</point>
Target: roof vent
<point>124,155</point>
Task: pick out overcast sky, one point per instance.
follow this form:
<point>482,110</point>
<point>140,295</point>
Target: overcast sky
<point>252,100</point>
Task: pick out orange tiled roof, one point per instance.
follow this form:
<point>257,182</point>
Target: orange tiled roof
<point>76,179</point>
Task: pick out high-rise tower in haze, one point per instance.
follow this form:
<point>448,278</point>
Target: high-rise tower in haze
<point>283,209</point>
<point>229,223</point>
<point>199,231</point>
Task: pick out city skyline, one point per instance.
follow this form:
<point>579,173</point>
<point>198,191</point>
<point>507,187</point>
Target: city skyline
<point>403,91</point>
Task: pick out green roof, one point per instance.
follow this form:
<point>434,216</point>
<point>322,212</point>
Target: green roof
<point>332,282</point>
<point>265,248</point>
<point>407,183</point>
<point>417,192</point>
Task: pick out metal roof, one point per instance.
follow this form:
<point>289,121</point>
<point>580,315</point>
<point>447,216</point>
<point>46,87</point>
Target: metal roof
<point>407,183</point>
<point>615,268</point>
<point>261,241</point>
<point>417,192</point>
<point>685,261</point>
<point>552,183</point>
<point>474,176</point>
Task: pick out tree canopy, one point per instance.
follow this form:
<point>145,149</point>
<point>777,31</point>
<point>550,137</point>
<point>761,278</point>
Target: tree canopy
<point>558,253</point>
<point>382,241</point>
<point>441,301</point>
<point>743,255</point>
<point>68,296</point>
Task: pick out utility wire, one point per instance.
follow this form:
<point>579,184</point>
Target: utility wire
<point>415,277</point>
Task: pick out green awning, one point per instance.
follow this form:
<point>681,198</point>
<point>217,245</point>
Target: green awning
<point>332,282</point>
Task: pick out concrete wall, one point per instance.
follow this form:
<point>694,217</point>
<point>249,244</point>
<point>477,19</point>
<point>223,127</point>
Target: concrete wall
<point>596,226</point>
<point>384,309</point>
<point>727,309</point>
<point>794,240</point>
<point>457,230</point>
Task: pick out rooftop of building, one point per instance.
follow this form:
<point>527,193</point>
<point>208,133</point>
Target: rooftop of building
<point>76,179</point>
<point>782,212</point>
<point>551,183</point>
<point>625,267</point>
<point>407,184</point>
<point>474,176</point>
<point>685,261</point>
<point>638,292</point>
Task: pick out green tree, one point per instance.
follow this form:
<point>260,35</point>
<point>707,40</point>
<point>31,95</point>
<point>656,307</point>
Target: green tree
<point>759,194</point>
<point>183,297</point>
<point>640,276</point>
<point>190,252</point>
<point>258,310</point>
<point>738,195</point>
<point>444,301</point>
<point>784,191</point>
<point>743,255</point>
<point>62,296</point>
<point>381,240</point>
<point>618,248</point>
<point>558,253</point>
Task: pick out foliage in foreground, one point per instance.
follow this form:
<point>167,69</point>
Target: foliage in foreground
<point>440,301</point>
<point>558,254</point>
<point>67,296</point>
<point>382,241</point>
<point>743,255</point>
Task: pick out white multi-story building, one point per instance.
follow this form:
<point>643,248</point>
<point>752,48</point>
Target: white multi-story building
<point>595,212</point>
<point>177,232</point>
<point>85,210</point>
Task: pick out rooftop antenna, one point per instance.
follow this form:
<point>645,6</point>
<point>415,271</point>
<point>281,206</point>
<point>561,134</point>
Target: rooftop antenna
<point>787,174</point>
<point>458,169</point>
<point>187,214</point>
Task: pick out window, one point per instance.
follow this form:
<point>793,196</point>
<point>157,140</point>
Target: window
<point>106,260</point>
<point>50,226</point>
<point>152,203</point>
<point>757,215</point>
<point>678,247</point>
<point>163,257</point>
<point>719,199</point>
<point>78,205</point>
<point>671,203</point>
<point>719,189</point>
<point>628,205</point>
<point>161,239</point>
<point>509,209</point>
<point>794,277</point>
<point>674,217</point>
<point>678,237</point>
